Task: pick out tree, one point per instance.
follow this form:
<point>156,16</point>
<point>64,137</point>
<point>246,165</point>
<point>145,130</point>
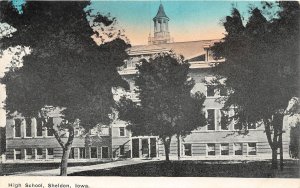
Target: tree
<point>261,68</point>
<point>166,105</point>
<point>295,142</point>
<point>65,68</point>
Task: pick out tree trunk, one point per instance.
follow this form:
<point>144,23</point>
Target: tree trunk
<point>276,142</point>
<point>167,147</point>
<point>64,161</point>
<point>178,146</point>
<point>65,146</point>
<point>281,151</point>
<point>274,158</point>
<point>66,149</point>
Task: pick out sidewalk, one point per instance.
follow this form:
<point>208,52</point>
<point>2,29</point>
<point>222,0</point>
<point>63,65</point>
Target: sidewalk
<point>109,165</point>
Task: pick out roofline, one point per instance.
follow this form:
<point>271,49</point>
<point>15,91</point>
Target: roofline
<point>176,42</point>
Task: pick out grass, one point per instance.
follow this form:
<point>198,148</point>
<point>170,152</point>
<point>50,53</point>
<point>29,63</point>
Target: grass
<point>11,169</point>
<point>247,169</point>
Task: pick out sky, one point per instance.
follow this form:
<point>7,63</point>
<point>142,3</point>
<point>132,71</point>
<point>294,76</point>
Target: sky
<point>189,20</point>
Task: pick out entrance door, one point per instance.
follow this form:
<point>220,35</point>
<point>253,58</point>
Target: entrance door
<point>135,148</point>
<point>145,148</point>
<point>153,147</point>
<point>104,152</point>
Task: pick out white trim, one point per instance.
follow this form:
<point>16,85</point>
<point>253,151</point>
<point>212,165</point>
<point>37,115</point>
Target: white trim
<point>14,129</point>
<point>221,148</point>
<point>84,153</point>
<point>207,149</point>
<point>36,153</point>
<point>241,143</point>
<point>15,158</point>
<point>120,131</point>
<point>25,129</point>
<point>25,153</point>
<point>184,150</point>
<point>255,148</point>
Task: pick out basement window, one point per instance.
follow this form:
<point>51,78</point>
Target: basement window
<point>187,149</point>
<point>211,149</point>
<point>251,148</point>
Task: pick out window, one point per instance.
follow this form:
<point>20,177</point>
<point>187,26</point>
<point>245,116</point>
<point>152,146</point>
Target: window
<point>224,149</point>
<point>224,120</point>
<point>211,150</point>
<point>18,123</point>
<point>76,133</point>
<point>122,150</point>
<point>39,153</point>
<point>50,153</point>
<point>28,127</point>
<point>238,148</point>
<point>252,126</point>
<point>94,152</point>
<point>237,126</point>
<point>122,131</point>
<point>211,119</point>
<point>39,127</point>
<point>82,153</point>
<point>28,153</point>
<point>94,131</point>
<point>251,148</point>
<point>187,149</point>
<point>17,153</point>
<point>49,130</point>
<point>223,91</point>
<point>72,154</point>
<point>104,131</point>
<point>104,152</point>
<point>210,91</point>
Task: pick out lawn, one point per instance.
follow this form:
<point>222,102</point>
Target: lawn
<point>251,169</point>
<point>11,169</point>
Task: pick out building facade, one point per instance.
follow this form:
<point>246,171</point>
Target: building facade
<point>28,141</point>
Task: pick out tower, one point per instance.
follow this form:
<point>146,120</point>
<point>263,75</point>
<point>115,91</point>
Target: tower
<point>161,28</point>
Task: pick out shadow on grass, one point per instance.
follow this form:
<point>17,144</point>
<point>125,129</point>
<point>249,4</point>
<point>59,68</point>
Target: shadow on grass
<point>253,169</point>
<point>11,169</point>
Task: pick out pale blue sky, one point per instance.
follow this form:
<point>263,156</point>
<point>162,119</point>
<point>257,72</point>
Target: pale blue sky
<point>189,20</point>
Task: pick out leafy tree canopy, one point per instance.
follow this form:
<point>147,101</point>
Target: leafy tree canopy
<point>166,106</point>
<point>65,67</point>
<point>262,61</point>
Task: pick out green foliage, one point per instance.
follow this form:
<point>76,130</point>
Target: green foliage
<point>65,67</point>
<point>166,105</point>
<point>262,62</point>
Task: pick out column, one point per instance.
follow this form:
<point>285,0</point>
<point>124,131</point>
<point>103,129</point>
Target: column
<point>33,127</point>
<point>140,147</point>
<point>149,147</point>
<point>23,127</point>
<point>130,147</point>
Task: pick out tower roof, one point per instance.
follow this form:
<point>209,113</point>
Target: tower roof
<point>161,12</point>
